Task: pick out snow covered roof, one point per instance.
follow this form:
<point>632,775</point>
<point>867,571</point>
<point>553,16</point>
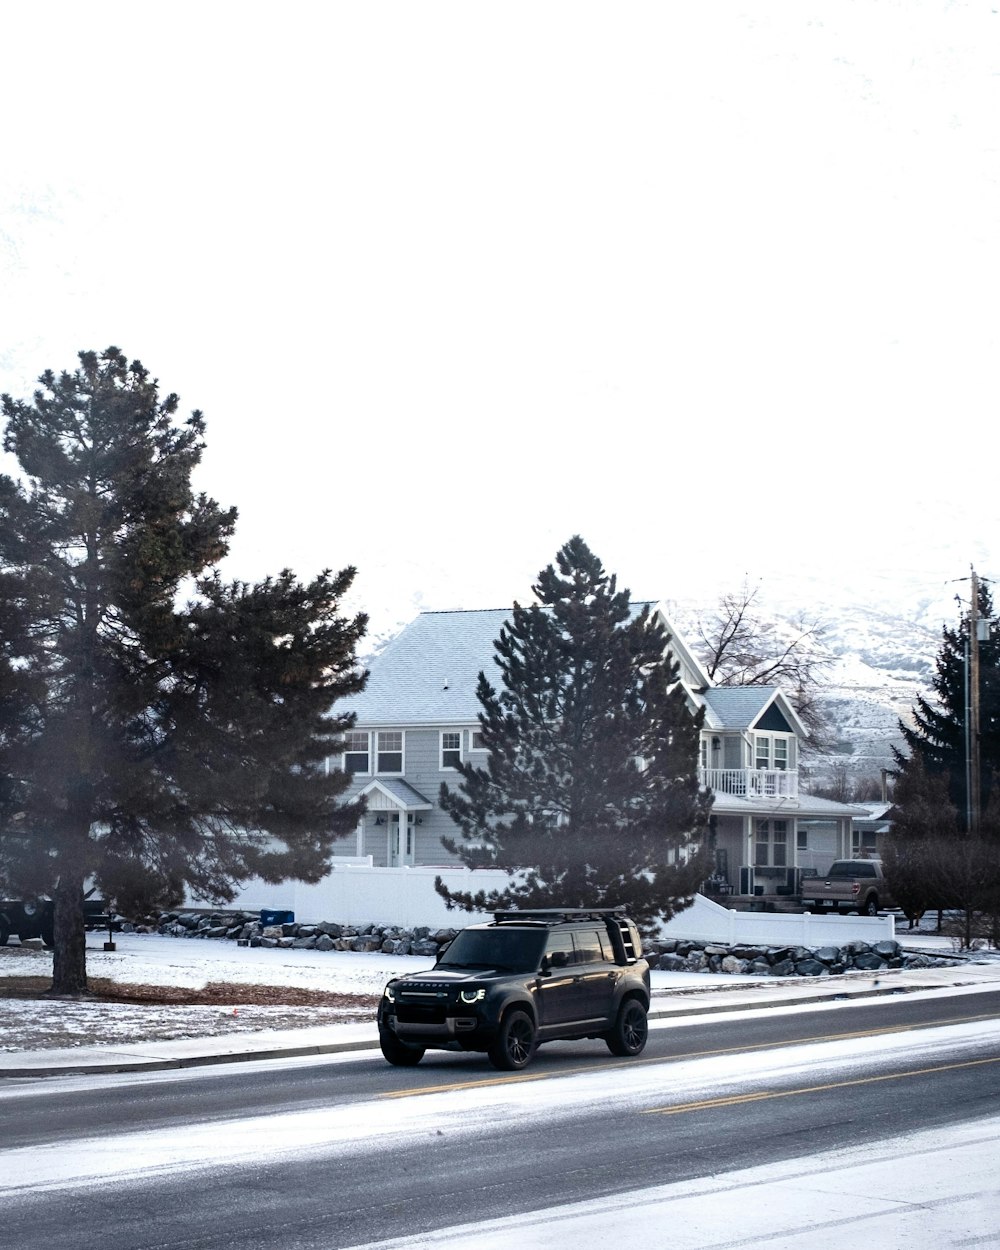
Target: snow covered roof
<point>806,805</point>
<point>427,674</point>
<point>741,707</point>
<point>399,793</point>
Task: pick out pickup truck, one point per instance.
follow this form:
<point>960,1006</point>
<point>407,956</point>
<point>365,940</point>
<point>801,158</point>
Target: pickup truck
<point>849,885</point>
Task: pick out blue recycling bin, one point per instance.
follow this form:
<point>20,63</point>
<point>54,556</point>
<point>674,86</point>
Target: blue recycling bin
<point>269,917</point>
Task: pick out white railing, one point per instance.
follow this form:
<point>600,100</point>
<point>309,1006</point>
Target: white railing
<point>752,783</point>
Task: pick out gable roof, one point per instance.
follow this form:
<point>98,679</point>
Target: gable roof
<point>427,674</point>
<point>736,708</point>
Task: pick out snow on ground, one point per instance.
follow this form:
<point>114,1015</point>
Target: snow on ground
<point>149,959</point>
<point>193,963</point>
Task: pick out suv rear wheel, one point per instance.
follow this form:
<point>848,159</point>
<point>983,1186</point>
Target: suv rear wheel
<point>628,1037</point>
<point>515,1042</point>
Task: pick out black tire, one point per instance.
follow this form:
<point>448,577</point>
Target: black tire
<point>48,938</point>
<point>871,906</point>
<point>631,1030</point>
<point>515,1042</point>
<point>4,933</point>
<point>398,1053</point>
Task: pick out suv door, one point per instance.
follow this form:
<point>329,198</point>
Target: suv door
<point>597,973</point>
<point>558,988</point>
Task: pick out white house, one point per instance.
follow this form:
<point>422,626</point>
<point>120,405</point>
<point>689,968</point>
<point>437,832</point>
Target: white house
<point>418,717</point>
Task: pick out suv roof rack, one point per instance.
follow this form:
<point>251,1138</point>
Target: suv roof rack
<point>557,915</point>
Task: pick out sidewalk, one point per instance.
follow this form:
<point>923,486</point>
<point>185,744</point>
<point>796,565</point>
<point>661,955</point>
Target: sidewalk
<point>667,1004</point>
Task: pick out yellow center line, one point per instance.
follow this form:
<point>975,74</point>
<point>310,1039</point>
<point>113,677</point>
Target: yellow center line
<point>483,1083</point>
<point>517,1077</point>
<point>706,1104</point>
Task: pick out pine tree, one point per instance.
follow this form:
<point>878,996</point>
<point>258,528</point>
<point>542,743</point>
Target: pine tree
<point>148,745</point>
<point>590,797</point>
<point>938,737</point>
<point>933,858</point>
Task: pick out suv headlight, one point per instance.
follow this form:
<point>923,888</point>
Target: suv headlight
<point>471,996</point>
<point>389,993</point>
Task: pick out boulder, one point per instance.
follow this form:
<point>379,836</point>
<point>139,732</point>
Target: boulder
<point>868,961</point>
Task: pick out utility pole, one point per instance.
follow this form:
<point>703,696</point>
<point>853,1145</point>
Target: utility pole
<point>975,790</point>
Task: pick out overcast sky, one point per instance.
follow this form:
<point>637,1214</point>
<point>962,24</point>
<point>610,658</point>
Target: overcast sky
<point>714,285</point>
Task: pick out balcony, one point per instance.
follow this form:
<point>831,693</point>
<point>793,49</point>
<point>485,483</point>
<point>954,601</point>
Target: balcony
<point>752,783</point>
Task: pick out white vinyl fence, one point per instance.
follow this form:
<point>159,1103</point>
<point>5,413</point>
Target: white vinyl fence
<point>706,921</point>
<point>355,893</point>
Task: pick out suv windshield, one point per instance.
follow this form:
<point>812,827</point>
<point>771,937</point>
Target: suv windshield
<point>507,949</point>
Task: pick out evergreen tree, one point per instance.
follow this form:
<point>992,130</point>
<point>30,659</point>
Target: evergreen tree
<point>933,863</point>
<point>938,736</point>
<point>148,745</point>
<point>590,797</point>
<point>933,859</point>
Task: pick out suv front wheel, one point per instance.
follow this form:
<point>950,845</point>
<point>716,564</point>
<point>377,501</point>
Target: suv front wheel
<point>514,1044</point>
<point>398,1053</point>
<point>631,1029</point>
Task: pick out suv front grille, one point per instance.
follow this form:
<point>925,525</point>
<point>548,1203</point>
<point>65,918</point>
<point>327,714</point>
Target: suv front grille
<point>422,1013</point>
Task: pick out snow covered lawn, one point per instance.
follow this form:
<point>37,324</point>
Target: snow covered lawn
<point>196,963</point>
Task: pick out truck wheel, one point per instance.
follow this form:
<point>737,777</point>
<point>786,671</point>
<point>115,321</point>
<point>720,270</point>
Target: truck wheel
<point>631,1030</point>
<point>398,1053</point>
<point>515,1042</point>
<point>871,906</point>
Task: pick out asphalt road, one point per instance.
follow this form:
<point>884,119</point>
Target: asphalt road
<point>328,1168</point>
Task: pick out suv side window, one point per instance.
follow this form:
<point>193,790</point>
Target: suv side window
<point>559,950</point>
<point>590,949</point>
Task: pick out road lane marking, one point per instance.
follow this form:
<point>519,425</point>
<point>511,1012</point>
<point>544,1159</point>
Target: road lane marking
<point>482,1083</point>
<point>733,1100</point>
<point>488,1082</point>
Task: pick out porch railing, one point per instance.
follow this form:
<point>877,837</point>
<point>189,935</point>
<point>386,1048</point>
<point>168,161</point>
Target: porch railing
<point>752,783</point>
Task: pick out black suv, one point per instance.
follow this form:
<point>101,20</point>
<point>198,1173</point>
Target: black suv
<point>529,977</point>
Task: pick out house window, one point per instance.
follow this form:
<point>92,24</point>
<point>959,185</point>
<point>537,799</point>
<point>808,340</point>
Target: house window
<point>356,751</point>
<point>771,844</point>
<point>779,843</point>
<point>772,751</point>
<point>390,751</point>
<point>802,839</point>
<point>451,750</point>
<point>863,841</point>
<point>762,844</point>
<point>476,740</point>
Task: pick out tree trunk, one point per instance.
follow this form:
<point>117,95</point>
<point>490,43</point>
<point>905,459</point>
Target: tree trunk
<point>69,955</point>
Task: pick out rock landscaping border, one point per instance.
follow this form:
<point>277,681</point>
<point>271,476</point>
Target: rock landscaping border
<point>668,955</point>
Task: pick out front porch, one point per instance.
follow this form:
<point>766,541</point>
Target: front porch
<point>763,849</point>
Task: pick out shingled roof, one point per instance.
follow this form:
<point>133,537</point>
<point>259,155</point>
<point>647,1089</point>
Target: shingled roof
<point>427,674</point>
